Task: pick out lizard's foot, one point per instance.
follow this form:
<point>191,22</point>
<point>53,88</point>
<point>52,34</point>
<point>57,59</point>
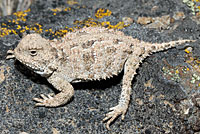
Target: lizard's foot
<point>47,100</point>
<point>115,112</point>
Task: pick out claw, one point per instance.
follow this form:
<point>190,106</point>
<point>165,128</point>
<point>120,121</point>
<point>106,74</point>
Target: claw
<point>123,116</point>
<point>44,97</point>
<point>50,96</point>
<point>39,104</point>
<point>38,100</point>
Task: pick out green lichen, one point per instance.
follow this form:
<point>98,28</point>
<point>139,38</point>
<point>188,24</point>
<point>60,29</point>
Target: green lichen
<point>172,73</point>
<point>195,78</point>
<point>194,5</point>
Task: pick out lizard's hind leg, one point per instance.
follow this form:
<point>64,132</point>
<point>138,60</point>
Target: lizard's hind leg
<point>130,68</point>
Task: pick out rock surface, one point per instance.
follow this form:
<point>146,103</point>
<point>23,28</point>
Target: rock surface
<point>166,86</point>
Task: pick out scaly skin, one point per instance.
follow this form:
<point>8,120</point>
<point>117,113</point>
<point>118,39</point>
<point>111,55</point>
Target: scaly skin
<point>92,53</point>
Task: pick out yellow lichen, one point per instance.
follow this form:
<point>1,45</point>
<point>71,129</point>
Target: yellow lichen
<point>8,28</point>
<point>186,50</point>
<point>67,9</point>
<point>54,10</point>
<point>101,12</point>
<point>177,71</point>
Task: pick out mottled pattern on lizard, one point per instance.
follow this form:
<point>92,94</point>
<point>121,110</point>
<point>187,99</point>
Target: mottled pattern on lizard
<point>92,53</point>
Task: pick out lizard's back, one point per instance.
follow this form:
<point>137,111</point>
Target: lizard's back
<point>95,53</point>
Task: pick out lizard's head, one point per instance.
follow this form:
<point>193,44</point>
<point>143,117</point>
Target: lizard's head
<point>35,52</point>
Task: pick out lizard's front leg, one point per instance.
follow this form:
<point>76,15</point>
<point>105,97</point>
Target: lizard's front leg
<point>66,93</point>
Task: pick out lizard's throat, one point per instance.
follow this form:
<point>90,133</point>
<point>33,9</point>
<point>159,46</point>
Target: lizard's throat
<point>31,66</point>
<point>43,73</point>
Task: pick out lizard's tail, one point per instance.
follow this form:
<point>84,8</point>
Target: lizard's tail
<point>163,46</point>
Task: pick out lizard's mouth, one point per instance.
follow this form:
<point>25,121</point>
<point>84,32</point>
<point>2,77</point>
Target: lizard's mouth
<point>31,67</point>
<point>10,54</point>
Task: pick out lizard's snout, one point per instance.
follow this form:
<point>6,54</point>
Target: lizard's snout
<point>10,54</point>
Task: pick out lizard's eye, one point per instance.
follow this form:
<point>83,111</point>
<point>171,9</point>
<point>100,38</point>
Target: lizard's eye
<point>33,52</point>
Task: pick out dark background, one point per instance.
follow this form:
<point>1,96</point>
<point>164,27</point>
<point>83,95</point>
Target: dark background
<point>166,101</point>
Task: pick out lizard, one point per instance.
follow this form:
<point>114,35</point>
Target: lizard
<point>87,54</point>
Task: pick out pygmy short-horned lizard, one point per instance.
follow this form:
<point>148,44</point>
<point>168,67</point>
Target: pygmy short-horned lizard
<point>91,53</point>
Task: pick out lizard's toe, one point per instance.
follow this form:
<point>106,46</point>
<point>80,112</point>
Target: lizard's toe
<point>44,100</point>
<point>115,112</point>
